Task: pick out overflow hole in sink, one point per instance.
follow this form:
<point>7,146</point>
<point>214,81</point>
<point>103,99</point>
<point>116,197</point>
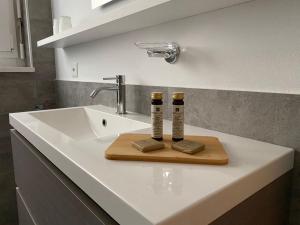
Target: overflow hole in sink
<point>104,122</point>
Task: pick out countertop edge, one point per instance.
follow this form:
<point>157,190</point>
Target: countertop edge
<point>212,210</point>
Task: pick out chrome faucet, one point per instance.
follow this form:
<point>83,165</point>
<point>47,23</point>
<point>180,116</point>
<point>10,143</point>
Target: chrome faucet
<point>119,87</point>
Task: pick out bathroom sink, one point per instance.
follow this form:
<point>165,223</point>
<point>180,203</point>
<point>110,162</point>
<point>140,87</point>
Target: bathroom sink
<point>75,141</point>
<point>85,123</point>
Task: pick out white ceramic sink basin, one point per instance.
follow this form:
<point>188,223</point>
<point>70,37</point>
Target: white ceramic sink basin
<point>86,123</point>
<point>149,193</point>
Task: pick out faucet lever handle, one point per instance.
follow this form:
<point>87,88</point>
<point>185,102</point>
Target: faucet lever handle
<point>109,78</point>
<point>119,78</point>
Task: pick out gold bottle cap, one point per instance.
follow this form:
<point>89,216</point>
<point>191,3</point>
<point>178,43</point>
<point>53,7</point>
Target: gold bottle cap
<point>157,95</point>
<point>178,95</point>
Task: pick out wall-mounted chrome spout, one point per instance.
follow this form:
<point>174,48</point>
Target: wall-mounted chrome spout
<point>168,50</point>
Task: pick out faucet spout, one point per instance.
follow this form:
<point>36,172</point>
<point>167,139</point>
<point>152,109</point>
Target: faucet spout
<point>96,91</point>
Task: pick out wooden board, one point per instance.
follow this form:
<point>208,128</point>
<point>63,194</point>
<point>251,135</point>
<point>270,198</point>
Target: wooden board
<point>122,149</point>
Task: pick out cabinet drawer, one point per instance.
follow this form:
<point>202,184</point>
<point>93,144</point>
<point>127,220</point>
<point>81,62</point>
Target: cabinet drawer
<point>25,217</point>
<point>51,197</point>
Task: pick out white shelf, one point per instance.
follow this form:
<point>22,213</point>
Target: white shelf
<point>134,15</point>
<point>19,69</point>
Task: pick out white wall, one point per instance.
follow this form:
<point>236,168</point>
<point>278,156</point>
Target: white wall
<point>253,46</point>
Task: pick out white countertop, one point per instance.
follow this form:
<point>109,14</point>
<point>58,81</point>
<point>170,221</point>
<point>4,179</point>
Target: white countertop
<point>148,193</point>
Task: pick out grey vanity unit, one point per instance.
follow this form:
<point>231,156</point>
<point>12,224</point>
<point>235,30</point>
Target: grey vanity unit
<point>47,197</point>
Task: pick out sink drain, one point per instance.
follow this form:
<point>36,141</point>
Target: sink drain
<point>104,122</point>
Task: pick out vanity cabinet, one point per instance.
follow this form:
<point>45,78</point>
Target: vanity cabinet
<point>45,195</point>
<point>25,218</point>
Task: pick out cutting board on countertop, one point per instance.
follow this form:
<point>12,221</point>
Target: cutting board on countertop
<point>121,149</point>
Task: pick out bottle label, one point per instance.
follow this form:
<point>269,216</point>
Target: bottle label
<point>157,121</point>
<point>178,122</point>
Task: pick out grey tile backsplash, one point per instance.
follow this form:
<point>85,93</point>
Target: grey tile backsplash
<point>268,117</point>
